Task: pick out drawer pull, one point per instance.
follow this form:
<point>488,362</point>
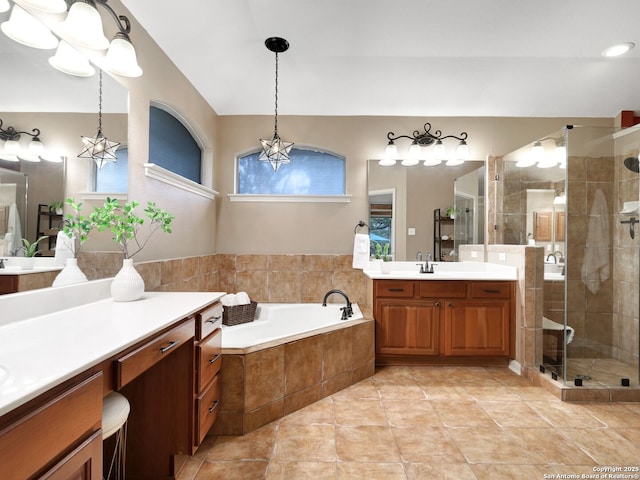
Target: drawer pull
<point>214,319</point>
<point>170,346</point>
<point>486,290</point>
<point>449,304</point>
<point>216,357</point>
<point>396,289</point>
<point>214,406</point>
<point>436,304</point>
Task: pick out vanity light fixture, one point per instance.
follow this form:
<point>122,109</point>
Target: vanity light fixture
<point>539,157</point>
<point>99,148</point>
<point>14,152</point>
<point>419,140</point>
<point>82,28</point>
<point>26,29</point>
<point>276,151</point>
<point>559,198</point>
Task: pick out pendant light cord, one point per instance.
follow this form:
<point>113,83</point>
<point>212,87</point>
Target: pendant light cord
<point>275,129</point>
<point>100,104</point>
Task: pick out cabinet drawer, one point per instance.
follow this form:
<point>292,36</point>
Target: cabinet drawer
<point>209,355</point>
<point>42,436</point>
<point>207,408</point>
<point>393,288</point>
<point>491,289</point>
<point>208,320</point>
<point>443,289</point>
<point>143,358</point>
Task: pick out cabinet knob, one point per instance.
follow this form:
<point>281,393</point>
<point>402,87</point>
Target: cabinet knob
<point>436,304</point>
<point>449,304</point>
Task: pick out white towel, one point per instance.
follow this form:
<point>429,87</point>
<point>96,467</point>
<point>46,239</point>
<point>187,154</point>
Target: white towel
<point>14,228</point>
<point>548,324</point>
<point>361,251</point>
<point>234,299</point>
<point>595,266</point>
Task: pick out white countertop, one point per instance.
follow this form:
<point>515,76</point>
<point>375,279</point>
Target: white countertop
<point>444,271</point>
<point>41,352</point>
<point>13,265</point>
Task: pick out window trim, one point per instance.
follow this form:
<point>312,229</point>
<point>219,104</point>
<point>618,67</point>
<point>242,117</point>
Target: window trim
<point>151,170</point>
<point>277,198</point>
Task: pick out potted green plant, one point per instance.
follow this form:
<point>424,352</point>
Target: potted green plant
<point>56,207</point>
<point>77,228</point>
<point>30,250</point>
<point>126,226</point>
<point>451,211</point>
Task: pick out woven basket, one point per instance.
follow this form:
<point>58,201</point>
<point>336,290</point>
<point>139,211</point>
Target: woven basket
<point>239,314</point>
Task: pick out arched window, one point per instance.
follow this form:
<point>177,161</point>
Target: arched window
<point>172,146</point>
<point>113,177</point>
<point>311,172</point>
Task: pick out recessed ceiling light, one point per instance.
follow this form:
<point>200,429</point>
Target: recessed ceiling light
<point>619,49</point>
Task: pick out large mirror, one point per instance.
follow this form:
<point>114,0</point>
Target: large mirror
<point>534,195</point>
<point>406,202</point>
<point>63,107</point>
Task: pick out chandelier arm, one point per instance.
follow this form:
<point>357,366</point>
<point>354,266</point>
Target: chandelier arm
<point>463,136</point>
<point>10,133</point>
<point>391,137</point>
<point>124,25</point>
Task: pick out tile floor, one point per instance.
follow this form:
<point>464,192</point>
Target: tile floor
<point>430,423</point>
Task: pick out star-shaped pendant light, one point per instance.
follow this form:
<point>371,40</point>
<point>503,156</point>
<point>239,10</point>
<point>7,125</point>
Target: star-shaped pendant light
<point>276,151</point>
<point>99,148</point>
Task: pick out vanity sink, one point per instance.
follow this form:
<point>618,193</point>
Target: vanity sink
<point>553,268</point>
<point>445,271</point>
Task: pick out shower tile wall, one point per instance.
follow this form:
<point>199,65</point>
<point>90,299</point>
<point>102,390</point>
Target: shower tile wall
<point>591,315</point>
<point>626,262</point>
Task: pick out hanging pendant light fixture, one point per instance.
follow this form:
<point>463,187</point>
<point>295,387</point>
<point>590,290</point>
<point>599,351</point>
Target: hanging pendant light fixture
<point>276,151</point>
<point>100,149</point>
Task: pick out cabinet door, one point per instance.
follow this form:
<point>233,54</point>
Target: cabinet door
<point>403,328</point>
<point>542,226</point>
<point>476,327</point>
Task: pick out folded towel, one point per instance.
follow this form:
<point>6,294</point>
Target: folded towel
<point>595,267</point>
<point>235,299</point>
<point>548,324</point>
<point>361,251</point>
<point>242,298</point>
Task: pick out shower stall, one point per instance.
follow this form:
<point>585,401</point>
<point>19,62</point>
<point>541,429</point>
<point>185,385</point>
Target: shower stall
<point>575,193</point>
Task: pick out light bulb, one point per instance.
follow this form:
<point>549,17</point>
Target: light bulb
<point>121,57</point>
<point>439,151</point>
<point>24,28</point>
<point>83,26</point>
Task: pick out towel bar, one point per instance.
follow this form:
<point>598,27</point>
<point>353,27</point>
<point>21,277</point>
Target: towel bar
<point>360,224</point>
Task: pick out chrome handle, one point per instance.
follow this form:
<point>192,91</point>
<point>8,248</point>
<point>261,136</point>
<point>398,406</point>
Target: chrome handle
<point>170,346</point>
<point>214,319</point>
<point>214,406</point>
<point>213,360</point>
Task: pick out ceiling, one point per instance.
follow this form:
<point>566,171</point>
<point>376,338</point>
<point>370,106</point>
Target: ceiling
<point>407,57</point>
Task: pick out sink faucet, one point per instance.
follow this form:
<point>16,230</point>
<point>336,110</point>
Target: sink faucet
<point>560,258</point>
<point>419,256</point>
<point>551,255</point>
<point>426,268</point>
<point>2,260</point>
<point>346,311</point>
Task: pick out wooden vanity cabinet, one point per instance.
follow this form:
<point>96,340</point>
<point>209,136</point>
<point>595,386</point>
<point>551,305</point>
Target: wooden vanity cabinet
<point>207,394</point>
<point>443,321</point>
<point>56,436</point>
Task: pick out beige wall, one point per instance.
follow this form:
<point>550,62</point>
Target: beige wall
<point>328,227</point>
<point>194,231</point>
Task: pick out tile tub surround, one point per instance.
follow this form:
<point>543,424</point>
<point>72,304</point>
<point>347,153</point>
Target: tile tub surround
<point>263,386</point>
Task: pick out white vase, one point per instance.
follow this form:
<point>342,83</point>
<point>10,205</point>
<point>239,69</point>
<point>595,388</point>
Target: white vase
<point>385,267</point>
<point>127,285</point>
<point>70,274</point>
<point>27,263</point>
